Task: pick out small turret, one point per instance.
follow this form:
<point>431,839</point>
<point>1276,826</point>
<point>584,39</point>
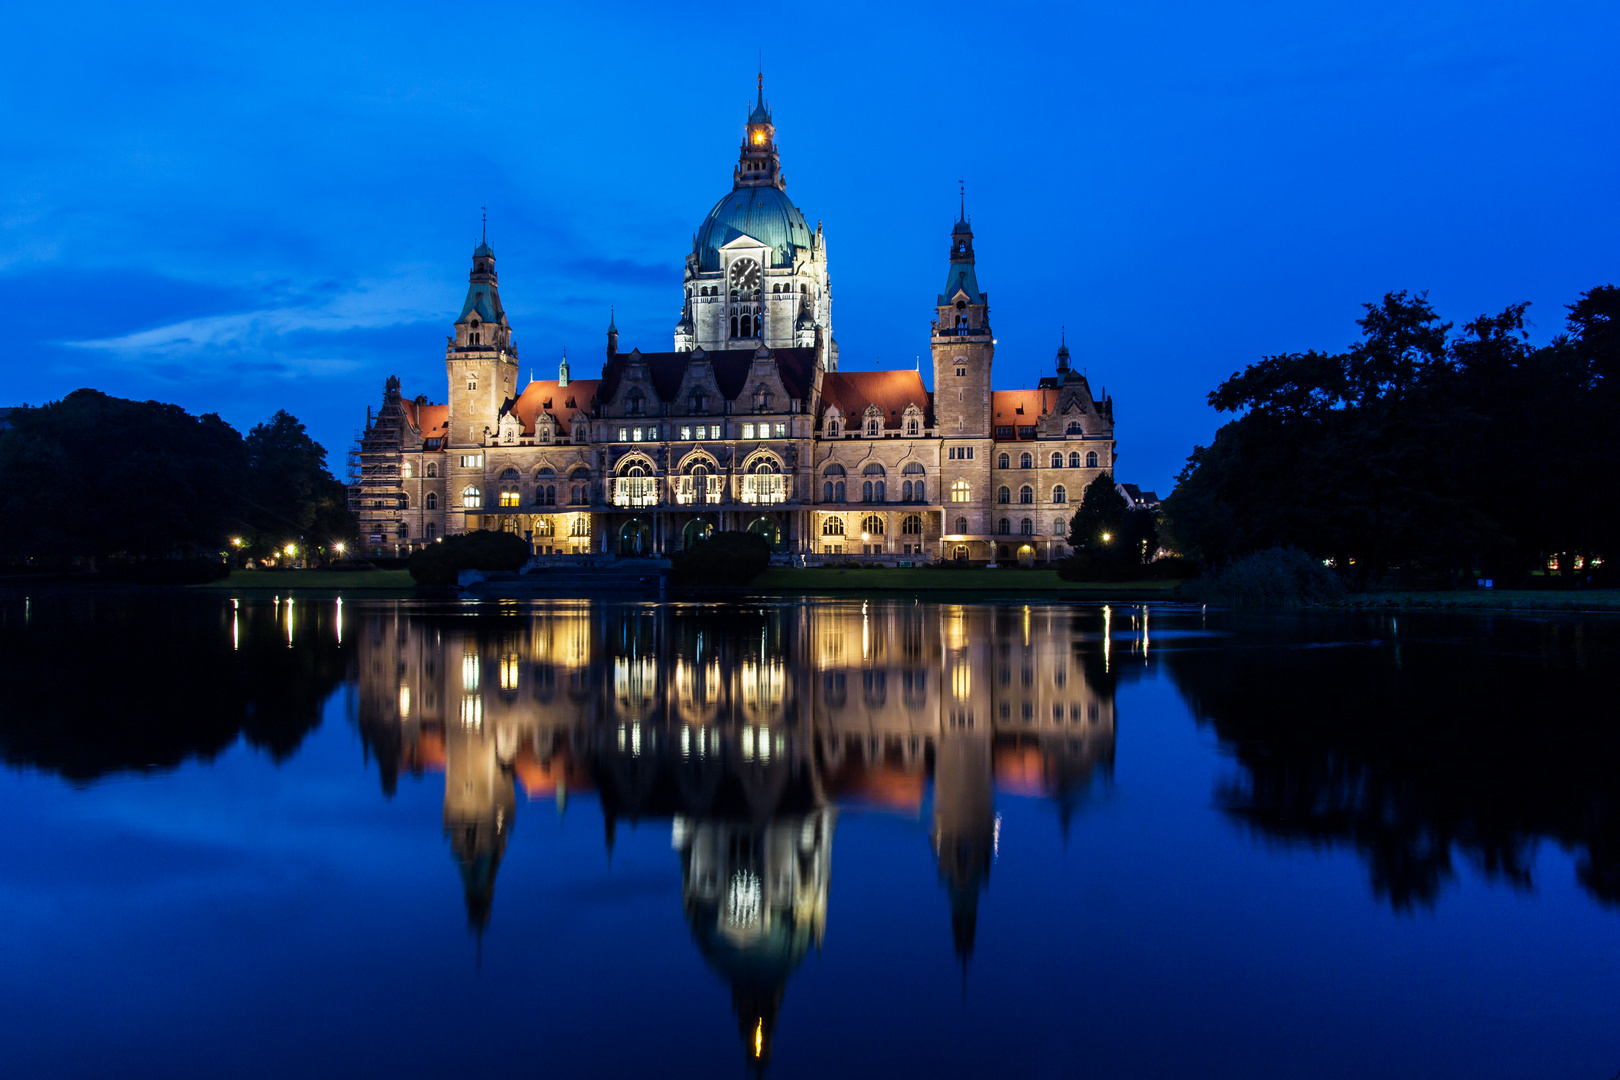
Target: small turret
<point>612,334</point>
<point>562,368</point>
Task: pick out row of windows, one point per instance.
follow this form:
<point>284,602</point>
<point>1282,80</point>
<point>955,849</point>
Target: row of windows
<point>692,432</point>
<point>874,427</point>
<point>874,491</point>
<point>1026,494</point>
<point>1027,461</point>
<point>872,525</point>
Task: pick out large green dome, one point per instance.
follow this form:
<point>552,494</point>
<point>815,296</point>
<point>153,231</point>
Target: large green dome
<point>765,213</point>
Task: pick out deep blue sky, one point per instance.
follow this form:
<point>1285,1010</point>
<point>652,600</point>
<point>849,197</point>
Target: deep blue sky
<point>240,210</point>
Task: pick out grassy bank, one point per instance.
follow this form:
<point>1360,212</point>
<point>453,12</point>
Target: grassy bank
<point>1493,600</point>
<point>313,579</point>
<point>935,579</point>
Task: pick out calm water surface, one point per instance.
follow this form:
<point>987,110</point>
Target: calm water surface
<point>256,836</point>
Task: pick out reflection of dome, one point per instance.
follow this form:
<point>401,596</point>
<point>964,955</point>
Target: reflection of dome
<point>764,213</point>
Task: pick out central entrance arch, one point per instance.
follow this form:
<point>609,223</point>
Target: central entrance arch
<point>635,537</point>
<point>769,529</point>
<point>696,531</point>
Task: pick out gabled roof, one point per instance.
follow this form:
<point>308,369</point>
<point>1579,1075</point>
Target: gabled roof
<point>731,366</point>
<point>890,391</point>
<point>562,402</point>
<point>1005,406</point>
<point>428,421</point>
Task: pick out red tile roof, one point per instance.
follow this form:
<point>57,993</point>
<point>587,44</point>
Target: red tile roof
<point>546,395</point>
<point>1019,407</point>
<point>891,391</point>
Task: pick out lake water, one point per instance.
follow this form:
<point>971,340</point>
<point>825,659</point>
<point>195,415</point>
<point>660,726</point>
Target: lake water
<point>257,836</point>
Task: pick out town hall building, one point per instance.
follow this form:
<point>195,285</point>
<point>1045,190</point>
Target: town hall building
<point>747,424</point>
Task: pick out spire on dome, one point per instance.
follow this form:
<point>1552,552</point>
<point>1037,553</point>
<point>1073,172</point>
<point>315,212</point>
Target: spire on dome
<point>962,225</point>
<point>483,249</point>
<point>761,114</point>
<point>759,165</point>
<point>1063,351</point>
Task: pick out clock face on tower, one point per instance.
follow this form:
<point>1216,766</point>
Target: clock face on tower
<point>745,275</point>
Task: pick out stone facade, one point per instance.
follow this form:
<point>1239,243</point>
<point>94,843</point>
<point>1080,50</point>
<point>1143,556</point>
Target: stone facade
<point>747,424</point>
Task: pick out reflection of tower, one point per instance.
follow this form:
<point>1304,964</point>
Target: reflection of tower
<point>479,800</point>
<point>964,809</point>
<point>964,827</point>
<point>756,897</point>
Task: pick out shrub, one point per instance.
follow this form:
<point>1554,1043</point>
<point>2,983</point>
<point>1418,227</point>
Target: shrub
<point>439,563</point>
<point>1082,565</point>
<point>1275,577</point>
<point>725,558</point>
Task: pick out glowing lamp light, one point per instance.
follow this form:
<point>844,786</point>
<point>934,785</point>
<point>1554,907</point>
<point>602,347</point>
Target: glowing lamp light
<point>866,536</point>
<point>236,541</point>
<point>292,549</point>
<point>338,547</point>
<point>1107,537</point>
<point>759,137</point>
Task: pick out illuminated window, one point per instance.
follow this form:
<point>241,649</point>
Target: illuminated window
<point>873,524</point>
<point>580,527</point>
<point>686,432</point>
<point>509,497</point>
<point>961,492</point>
<point>832,527</point>
<point>780,431</point>
<point>472,498</point>
<point>748,431</point>
<point>472,461</point>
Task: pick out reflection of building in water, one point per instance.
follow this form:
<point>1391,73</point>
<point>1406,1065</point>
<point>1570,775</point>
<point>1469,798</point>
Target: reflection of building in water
<point>745,728</point>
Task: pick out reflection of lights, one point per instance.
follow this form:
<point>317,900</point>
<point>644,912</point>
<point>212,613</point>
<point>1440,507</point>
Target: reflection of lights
<point>469,671</point>
<point>509,671</point>
<point>961,681</point>
<point>748,743</point>
<point>759,1037</point>
<point>340,620</point>
<point>1108,618</point>
<point>472,711</point>
<point>743,900</point>
<point>289,622</point>
<point>686,742</point>
<point>995,838</point>
<point>404,703</point>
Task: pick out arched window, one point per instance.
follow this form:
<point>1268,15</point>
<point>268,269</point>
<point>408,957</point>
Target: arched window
<point>872,426</point>
<point>1026,460</point>
<point>1004,494</point>
<point>408,470</point>
<point>834,469</point>
<point>1091,459</point>
<point>581,526</point>
<point>913,426</point>
<point>866,491</point>
<point>961,526</point>
<point>430,531</point>
<point>544,472</point>
<point>911,525</point>
<point>472,497</point>
<point>1059,527</point>
<point>1003,462</point>
<point>509,475</point>
<point>431,501</point>
<point>543,527</point>
<point>961,492</point>
<point>1057,461</point>
<point>1074,427</point>
<point>1027,527</point>
<point>873,524</point>
<point>1074,460</point>
<point>511,497</point>
<point>1003,526</point>
<point>1060,494</point>
<point>832,427</point>
<point>404,531</point>
<point>432,469</point>
<point>545,495</point>
<point>832,527</point>
<point>1026,494</point>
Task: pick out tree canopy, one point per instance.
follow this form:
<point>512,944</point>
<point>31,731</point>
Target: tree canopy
<point>95,475</point>
<point>1417,447</point>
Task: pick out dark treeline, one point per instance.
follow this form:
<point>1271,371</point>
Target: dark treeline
<point>93,476</point>
<point>1425,745</point>
<point>108,681</point>
<point>1417,449</point>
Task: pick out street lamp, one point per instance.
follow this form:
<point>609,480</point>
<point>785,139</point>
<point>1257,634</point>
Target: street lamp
<point>338,547</point>
<point>1107,537</point>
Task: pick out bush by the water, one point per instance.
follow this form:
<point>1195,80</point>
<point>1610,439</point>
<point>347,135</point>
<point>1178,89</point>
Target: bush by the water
<point>193,571</point>
<point>1273,578</point>
<point>726,558</point>
<point>439,563</point>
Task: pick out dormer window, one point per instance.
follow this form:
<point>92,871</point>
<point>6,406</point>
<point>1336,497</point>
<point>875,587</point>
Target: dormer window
<point>634,404</point>
<point>872,427</point>
<point>700,403</point>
